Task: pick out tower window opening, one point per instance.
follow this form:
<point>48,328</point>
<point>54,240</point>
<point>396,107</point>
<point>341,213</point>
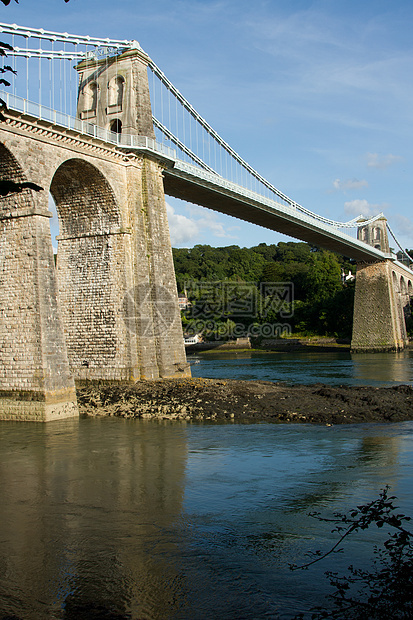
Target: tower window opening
<point>116,126</point>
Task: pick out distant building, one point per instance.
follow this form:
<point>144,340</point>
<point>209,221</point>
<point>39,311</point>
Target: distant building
<point>402,257</point>
<point>346,278</point>
<point>188,340</point>
<point>183,302</point>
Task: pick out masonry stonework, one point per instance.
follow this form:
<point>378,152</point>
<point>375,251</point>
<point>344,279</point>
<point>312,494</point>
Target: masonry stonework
<point>380,307</point>
<point>35,380</point>
<point>109,311</point>
<point>382,296</point>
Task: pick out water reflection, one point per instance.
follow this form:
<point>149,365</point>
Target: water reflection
<point>87,525</point>
<point>383,367</point>
<point>115,519</point>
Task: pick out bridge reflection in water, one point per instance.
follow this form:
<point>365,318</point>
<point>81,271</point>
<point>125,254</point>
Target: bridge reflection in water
<point>88,526</point>
<point>107,518</point>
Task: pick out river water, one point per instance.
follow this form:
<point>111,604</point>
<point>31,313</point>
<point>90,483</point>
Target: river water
<point>334,368</point>
<point>112,518</point>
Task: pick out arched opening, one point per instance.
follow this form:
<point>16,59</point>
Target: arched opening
<point>54,224</point>
<point>410,321</point>
<point>90,267</point>
<point>405,303</point>
<point>116,126</point>
<point>395,282</point>
<point>10,170</point>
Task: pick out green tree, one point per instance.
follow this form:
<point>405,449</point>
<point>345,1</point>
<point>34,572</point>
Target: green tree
<point>324,276</point>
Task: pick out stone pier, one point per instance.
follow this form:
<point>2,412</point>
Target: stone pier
<point>379,315</point>
<point>382,297</point>
<point>35,379</point>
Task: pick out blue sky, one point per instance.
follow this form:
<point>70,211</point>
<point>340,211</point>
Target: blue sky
<point>315,95</point>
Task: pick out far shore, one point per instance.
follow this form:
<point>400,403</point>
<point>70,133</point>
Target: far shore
<point>316,343</point>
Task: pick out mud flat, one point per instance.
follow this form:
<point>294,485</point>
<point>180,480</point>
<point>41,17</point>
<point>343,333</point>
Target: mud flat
<point>246,401</point>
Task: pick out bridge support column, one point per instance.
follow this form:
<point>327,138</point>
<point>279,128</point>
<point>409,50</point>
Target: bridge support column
<point>159,338</point>
<point>378,323</point>
<point>35,381</point>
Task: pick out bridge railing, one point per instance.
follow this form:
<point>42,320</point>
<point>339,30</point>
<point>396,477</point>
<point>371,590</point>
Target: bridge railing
<point>60,119</point>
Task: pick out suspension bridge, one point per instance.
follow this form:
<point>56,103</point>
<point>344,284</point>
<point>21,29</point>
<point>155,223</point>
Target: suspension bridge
<point>97,122</point>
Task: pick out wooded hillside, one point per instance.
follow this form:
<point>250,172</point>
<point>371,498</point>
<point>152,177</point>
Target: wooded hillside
<point>232,285</point>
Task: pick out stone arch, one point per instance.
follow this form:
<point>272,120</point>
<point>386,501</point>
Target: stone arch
<point>401,312</point>
<point>395,282</point>
<point>116,89</point>
<point>91,263</point>
<point>405,303</point>
<point>398,311</point>
<point>410,289</point>
<point>84,200</point>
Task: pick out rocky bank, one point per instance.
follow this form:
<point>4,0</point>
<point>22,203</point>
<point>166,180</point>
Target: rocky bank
<point>246,401</point>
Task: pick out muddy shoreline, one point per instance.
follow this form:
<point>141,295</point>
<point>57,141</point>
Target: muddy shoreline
<point>246,401</point>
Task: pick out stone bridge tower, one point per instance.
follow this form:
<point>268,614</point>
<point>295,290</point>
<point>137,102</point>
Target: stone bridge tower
<point>382,296</point>
<point>114,93</point>
<point>110,309</point>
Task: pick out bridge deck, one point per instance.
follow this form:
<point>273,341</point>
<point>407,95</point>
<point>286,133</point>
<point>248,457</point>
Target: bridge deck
<point>207,189</point>
<point>189,183</point>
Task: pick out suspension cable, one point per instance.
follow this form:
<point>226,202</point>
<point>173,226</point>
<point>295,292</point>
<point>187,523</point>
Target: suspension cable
<point>398,244</point>
<point>40,33</point>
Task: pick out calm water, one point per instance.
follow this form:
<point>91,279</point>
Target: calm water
<point>112,518</point>
<point>308,367</point>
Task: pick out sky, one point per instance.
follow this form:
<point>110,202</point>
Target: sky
<point>316,95</point>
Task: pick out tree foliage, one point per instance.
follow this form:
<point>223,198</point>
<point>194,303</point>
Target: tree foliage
<point>322,304</point>
<point>385,590</point>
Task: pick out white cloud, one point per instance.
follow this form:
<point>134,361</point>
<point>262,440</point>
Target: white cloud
<point>374,160</point>
<point>210,222</point>
<point>349,184</point>
<point>182,230</point>
<point>363,207</point>
<point>189,230</point>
